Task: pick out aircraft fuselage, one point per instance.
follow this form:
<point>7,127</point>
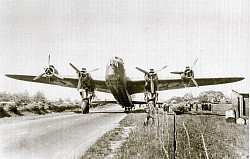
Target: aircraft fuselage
<point>116,81</point>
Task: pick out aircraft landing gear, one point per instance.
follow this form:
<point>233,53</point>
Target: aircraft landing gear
<point>128,109</point>
<point>150,99</point>
<point>85,106</point>
<point>86,101</point>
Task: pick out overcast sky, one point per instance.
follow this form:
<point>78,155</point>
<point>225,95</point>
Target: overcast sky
<point>144,33</point>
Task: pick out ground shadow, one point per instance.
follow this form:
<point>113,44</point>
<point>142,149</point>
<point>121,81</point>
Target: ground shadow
<point>3,113</point>
<point>113,112</point>
<point>204,113</point>
<point>15,110</point>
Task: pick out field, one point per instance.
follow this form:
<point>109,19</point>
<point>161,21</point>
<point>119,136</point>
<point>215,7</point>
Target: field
<point>199,135</point>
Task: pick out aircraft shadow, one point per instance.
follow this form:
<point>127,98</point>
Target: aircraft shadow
<point>204,113</point>
<point>113,112</point>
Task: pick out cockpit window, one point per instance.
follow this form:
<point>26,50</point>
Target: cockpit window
<point>114,63</point>
<point>119,59</point>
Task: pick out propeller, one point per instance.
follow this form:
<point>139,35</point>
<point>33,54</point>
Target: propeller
<point>49,71</point>
<point>177,72</point>
<point>39,76</point>
<point>152,85</point>
<point>80,75</point>
<point>191,68</point>
<point>194,63</point>
<point>146,72</point>
<point>162,68</point>
<point>192,78</point>
<point>196,84</point>
<point>150,76</point>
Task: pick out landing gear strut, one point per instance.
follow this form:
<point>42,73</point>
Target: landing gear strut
<point>86,100</point>
<point>150,99</point>
<point>85,106</point>
<point>128,109</point>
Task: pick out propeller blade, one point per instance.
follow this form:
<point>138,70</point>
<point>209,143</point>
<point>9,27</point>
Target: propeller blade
<point>152,85</point>
<point>177,72</point>
<point>49,61</point>
<point>39,76</point>
<point>79,84</point>
<point>94,70</point>
<point>74,67</point>
<point>194,63</point>
<point>161,68</point>
<point>141,70</point>
<point>196,84</point>
<point>58,76</point>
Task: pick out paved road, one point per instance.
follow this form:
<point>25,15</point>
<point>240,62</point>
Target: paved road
<point>66,135</point>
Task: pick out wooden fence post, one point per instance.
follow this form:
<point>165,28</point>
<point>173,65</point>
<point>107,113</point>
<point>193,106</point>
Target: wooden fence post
<point>175,135</point>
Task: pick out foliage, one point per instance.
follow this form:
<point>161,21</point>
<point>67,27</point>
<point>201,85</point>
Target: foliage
<point>60,101</point>
<point>37,104</point>
<point>188,97</point>
<point>22,98</point>
<point>39,96</point>
<point>211,96</point>
<point>5,97</point>
<point>177,99</point>
<point>205,96</point>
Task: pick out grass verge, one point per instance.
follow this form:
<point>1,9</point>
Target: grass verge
<point>222,139</point>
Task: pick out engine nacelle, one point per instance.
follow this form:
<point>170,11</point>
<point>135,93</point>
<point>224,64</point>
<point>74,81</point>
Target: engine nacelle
<point>151,78</point>
<point>186,76</point>
<point>50,71</point>
<point>86,81</point>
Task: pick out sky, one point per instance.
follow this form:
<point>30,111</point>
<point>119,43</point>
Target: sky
<point>144,33</point>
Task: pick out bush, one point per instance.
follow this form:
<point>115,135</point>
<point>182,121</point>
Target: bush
<point>39,97</point>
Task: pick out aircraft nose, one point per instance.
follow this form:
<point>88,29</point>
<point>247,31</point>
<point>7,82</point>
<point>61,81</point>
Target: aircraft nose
<point>111,70</point>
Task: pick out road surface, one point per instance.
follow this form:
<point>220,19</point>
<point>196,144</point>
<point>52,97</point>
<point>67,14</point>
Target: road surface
<point>65,135</point>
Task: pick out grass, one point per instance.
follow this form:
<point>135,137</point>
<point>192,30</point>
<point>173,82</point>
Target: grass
<point>222,139</point>
<point>101,148</point>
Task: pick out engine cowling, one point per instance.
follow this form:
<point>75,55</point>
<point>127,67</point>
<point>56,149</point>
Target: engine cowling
<point>85,80</point>
<point>151,82</point>
<point>50,71</point>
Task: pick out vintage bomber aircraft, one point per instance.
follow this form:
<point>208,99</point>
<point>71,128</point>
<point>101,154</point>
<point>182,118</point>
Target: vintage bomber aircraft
<point>117,83</point>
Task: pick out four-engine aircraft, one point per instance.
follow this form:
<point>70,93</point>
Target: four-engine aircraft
<point>117,83</point>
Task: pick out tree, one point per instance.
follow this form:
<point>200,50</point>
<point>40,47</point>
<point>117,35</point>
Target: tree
<point>68,100</point>
<point>177,99</point>
<point>211,96</point>
<point>60,101</point>
<point>203,98</point>
<point>5,97</point>
<point>188,97</point>
<point>39,96</point>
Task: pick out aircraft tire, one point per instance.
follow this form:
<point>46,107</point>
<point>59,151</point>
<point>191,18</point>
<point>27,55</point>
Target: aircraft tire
<point>85,107</point>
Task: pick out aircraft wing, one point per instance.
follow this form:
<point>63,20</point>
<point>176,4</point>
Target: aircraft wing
<point>137,86</point>
<point>169,84</point>
<point>65,82</point>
